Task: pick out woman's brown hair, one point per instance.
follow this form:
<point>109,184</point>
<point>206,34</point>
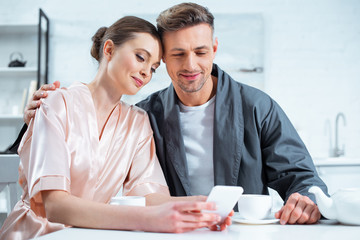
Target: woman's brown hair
<point>121,31</point>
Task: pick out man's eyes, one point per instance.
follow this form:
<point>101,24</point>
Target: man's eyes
<point>201,53</point>
<point>182,54</point>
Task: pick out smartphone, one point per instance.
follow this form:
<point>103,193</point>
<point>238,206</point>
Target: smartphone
<point>225,198</point>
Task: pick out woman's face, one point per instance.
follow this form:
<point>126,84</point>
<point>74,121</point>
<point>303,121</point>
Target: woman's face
<point>131,65</point>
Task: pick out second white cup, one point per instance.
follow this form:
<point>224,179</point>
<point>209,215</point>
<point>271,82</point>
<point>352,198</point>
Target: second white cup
<point>254,206</point>
<point>129,201</point>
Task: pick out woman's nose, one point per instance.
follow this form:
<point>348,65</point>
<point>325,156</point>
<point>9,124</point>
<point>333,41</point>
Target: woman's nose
<point>145,72</point>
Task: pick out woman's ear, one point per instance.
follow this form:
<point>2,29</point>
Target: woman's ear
<point>108,49</point>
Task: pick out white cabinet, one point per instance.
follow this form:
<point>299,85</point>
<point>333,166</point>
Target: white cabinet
<point>339,173</point>
<point>8,181</point>
<point>31,41</point>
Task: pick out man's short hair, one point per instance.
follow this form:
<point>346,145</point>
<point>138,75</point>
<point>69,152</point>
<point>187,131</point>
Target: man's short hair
<point>183,15</point>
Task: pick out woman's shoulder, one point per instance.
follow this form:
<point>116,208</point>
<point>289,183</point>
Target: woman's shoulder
<point>132,109</point>
<point>63,99</point>
<point>135,116</point>
<point>66,94</point>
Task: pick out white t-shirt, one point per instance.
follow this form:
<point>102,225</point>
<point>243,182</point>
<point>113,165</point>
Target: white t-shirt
<point>197,124</point>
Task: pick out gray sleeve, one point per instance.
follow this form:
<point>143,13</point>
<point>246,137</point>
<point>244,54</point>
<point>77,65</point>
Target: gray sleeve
<point>288,165</point>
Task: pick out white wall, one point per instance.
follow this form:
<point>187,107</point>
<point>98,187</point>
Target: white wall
<point>312,53</point>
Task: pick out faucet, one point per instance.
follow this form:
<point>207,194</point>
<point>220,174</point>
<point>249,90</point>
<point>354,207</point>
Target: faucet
<point>337,150</point>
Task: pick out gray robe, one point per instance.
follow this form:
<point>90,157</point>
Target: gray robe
<point>255,145</point>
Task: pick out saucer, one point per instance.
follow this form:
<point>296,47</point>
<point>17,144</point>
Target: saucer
<point>268,220</point>
<point>256,222</point>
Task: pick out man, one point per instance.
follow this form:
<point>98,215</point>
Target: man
<point>211,130</point>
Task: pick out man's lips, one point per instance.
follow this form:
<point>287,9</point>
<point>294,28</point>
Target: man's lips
<point>189,76</point>
<point>138,81</point>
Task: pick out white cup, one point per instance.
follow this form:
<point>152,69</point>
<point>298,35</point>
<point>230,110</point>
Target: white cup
<point>128,200</point>
<point>254,206</point>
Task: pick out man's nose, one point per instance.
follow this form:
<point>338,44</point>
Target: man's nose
<point>189,62</point>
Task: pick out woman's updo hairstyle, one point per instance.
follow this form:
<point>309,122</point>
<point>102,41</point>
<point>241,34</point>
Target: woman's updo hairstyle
<point>121,31</point>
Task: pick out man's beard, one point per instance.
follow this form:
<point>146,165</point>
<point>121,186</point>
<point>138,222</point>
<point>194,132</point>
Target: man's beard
<point>193,87</point>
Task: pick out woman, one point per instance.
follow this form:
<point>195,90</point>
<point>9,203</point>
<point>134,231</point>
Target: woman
<point>84,144</point>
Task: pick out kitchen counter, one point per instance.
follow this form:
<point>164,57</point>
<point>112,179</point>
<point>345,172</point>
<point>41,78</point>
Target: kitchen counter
<point>325,229</point>
<point>336,161</point>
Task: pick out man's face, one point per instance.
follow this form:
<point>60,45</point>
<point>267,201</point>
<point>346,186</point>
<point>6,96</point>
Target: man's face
<point>189,55</point>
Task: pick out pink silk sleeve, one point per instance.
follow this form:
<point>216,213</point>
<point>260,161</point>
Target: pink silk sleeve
<point>145,175</point>
<point>45,157</point>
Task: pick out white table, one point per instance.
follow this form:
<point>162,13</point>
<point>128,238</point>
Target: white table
<point>326,229</point>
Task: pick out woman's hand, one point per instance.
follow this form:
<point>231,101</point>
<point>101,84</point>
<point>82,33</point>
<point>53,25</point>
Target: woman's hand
<point>34,103</point>
<point>178,217</point>
<point>227,222</point>
<point>216,227</point>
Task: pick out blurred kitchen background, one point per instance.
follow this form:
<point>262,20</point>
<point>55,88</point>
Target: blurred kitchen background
<point>305,54</point>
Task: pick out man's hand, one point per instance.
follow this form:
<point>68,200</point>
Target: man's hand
<point>298,209</point>
<point>35,102</point>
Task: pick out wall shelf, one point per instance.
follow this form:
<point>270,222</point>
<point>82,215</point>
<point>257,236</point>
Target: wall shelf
<point>18,72</point>
<point>31,43</point>
<point>18,69</point>
<point>6,117</point>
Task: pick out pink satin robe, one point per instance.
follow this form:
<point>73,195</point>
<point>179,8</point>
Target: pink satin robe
<point>61,150</point>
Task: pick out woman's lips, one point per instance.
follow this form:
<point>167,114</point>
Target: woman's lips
<point>190,77</point>
<point>138,82</point>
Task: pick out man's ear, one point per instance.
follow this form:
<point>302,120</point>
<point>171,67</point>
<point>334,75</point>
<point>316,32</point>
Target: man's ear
<point>215,45</point>
<point>163,59</point>
<point>108,49</point>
